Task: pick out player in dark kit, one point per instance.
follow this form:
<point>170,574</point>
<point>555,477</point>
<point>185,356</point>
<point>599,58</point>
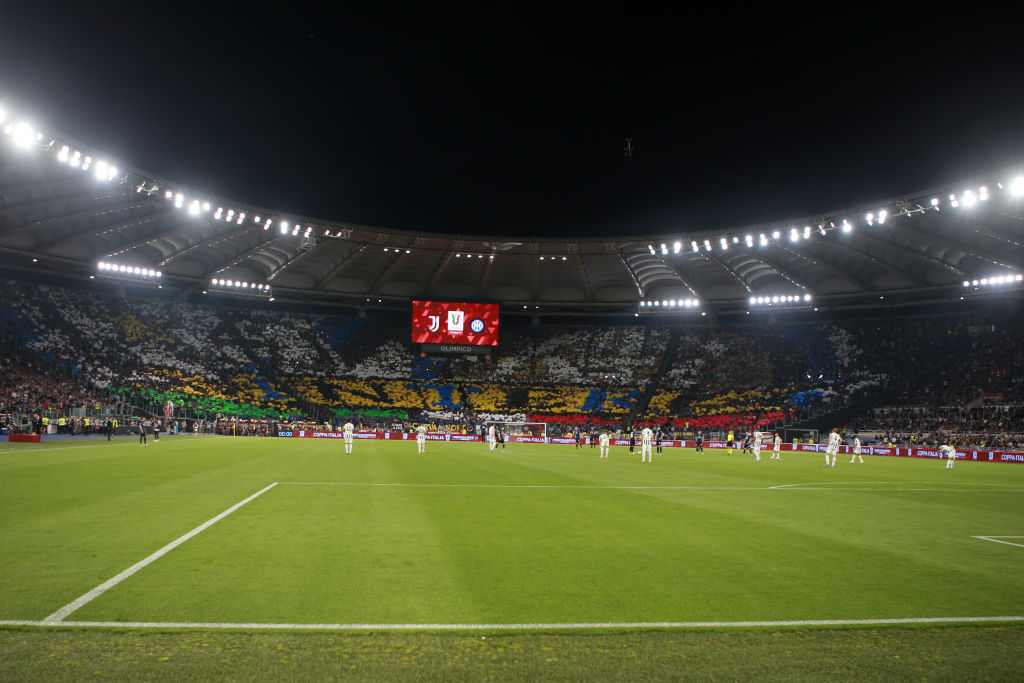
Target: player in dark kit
<point>700,442</point>
<point>579,438</point>
<point>142,433</point>
<point>659,434</point>
<point>632,440</point>
<point>746,444</point>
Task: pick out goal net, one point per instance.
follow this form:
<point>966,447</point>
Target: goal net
<point>519,428</point>
<point>800,435</point>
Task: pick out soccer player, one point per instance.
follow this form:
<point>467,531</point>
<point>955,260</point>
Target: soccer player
<point>156,431</point>
<point>632,439</point>
<point>700,442</point>
<point>778,445</point>
<point>730,440</point>
<point>347,430</point>
<point>833,447</point>
<point>142,433</point>
<point>604,444</point>
<point>746,443</point>
<point>501,437</point>
<point>950,454</point>
<point>579,438</point>
<point>658,436</point>
<point>645,444</point>
<point>492,438</point>
<point>757,446</point>
<point>421,439</point>
<point>856,450</point>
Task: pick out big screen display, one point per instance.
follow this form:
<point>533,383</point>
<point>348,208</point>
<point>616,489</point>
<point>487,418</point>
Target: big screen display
<point>447,322</point>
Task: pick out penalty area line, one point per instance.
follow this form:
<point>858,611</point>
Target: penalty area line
<point>59,616</point>
<point>249,626</point>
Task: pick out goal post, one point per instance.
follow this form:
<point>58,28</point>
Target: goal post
<point>539,429</point>
<point>799,435</point>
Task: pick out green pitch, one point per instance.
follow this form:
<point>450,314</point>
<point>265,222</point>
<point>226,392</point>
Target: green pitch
<point>533,536</point>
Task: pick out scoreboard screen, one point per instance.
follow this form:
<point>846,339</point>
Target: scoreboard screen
<point>446,322</point>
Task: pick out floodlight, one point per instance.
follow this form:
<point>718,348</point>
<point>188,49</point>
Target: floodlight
<point>882,215</point>
<point>735,240</point>
<point>969,199</point>
<point>63,154</point>
<point>1017,185</point>
<point>664,249</point>
<point>807,297</point>
<point>753,300</point>
<point>694,245</point>
<point>193,208</point>
<point>241,217</point>
<point>641,304</point>
<point>794,235</point>
<point>983,193</point>
<point>23,134</point>
<point>967,283</point>
<point>776,234</point>
<point>677,247</point>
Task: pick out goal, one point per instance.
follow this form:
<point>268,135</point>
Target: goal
<point>800,435</point>
<point>519,428</point>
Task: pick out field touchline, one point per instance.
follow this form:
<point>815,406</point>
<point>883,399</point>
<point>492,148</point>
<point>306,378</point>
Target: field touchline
<point>99,590</point>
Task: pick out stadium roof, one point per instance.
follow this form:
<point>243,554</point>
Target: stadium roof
<point>67,209</point>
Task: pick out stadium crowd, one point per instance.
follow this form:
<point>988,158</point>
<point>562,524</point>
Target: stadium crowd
<point>65,350</point>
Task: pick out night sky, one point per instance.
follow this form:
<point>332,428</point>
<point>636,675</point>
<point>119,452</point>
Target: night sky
<point>507,122</point>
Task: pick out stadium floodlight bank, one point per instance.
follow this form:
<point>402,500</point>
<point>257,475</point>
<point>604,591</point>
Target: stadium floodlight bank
<point>519,428</point>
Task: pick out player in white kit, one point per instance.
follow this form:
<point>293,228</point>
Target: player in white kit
<point>758,436</point>
<point>421,439</point>
<point>347,430</point>
<point>950,454</point>
<point>603,440</point>
<point>775,450</point>
<point>646,436</point>
<point>856,450</point>
<point>492,438</point>
<point>833,446</point>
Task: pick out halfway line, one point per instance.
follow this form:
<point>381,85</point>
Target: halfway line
<point>99,590</point>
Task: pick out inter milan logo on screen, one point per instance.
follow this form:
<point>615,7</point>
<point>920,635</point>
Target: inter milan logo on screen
<point>476,325</point>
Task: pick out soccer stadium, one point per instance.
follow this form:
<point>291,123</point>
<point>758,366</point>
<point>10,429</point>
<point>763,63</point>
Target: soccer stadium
<point>244,442</point>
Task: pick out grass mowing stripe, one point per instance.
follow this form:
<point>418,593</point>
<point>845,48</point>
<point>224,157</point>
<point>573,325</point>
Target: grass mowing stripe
<point>787,487</point>
<point>518,627</point>
<point>99,590</point>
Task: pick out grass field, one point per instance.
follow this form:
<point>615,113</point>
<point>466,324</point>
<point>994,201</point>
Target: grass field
<point>530,544</point>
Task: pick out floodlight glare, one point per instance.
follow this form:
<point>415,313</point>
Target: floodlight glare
<point>1017,185</point>
<point>23,134</point>
<point>63,154</point>
<point>882,215</point>
<point>969,199</point>
<point>677,247</point>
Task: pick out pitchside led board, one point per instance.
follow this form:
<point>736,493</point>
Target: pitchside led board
<point>455,327</point>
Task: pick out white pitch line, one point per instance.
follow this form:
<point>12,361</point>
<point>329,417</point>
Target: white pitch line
<point>58,616</point>
<point>513,627</point>
<point>995,539</point>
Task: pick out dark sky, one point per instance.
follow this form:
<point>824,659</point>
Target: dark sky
<point>508,122</point>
